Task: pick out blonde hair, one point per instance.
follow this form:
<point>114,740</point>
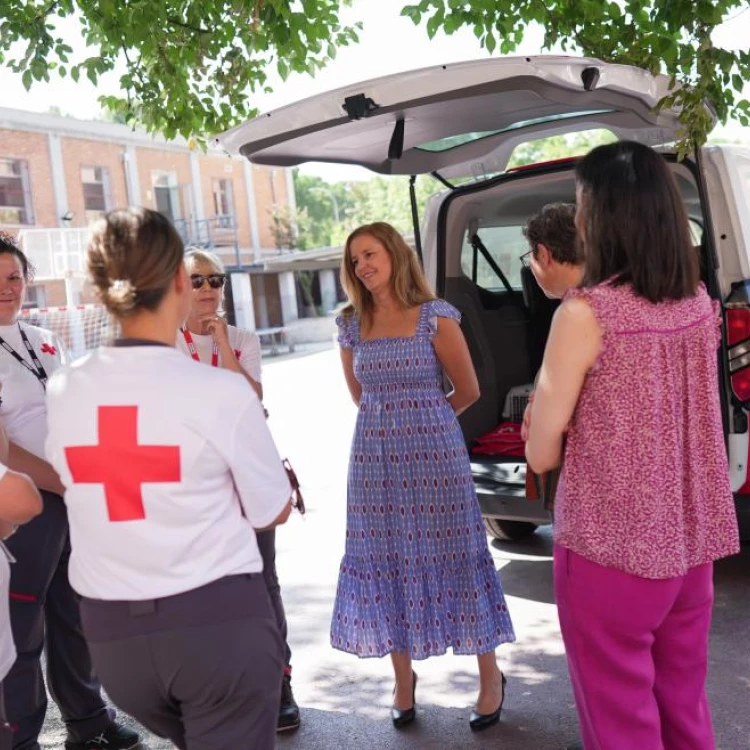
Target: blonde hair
<point>408,281</point>
<point>133,256</point>
<point>195,255</point>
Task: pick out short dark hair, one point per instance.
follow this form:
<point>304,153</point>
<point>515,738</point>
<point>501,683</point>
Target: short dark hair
<point>8,246</point>
<point>635,228</point>
<point>555,228</point>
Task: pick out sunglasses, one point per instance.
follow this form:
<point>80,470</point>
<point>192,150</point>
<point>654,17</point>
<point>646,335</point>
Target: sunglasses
<point>297,501</point>
<point>215,280</point>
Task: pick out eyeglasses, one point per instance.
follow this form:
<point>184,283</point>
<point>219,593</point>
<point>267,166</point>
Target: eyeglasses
<point>215,280</point>
<point>525,258</point>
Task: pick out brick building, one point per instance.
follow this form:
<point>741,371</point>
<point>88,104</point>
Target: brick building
<point>57,174</point>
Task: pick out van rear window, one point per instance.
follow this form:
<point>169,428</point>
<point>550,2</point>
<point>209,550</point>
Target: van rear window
<point>505,245</point>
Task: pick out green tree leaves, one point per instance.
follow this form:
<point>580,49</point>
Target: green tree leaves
<point>662,36</point>
<point>186,67</point>
<point>190,67</point>
<point>328,212</point>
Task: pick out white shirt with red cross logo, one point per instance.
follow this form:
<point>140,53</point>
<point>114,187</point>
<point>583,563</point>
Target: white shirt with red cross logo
<point>23,410</point>
<point>168,468</point>
<point>246,346</point>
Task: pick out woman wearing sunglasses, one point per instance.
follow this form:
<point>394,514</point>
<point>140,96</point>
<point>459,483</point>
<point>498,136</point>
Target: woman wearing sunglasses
<point>163,500</point>
<point>207,338</point>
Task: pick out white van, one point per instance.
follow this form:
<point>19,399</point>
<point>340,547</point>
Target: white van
<point>464,120</point>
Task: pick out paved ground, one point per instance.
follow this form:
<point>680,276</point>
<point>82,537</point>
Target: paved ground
<point>345,701</point>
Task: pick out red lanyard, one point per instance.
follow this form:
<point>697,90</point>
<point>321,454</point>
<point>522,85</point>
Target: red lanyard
<point>194,352</point>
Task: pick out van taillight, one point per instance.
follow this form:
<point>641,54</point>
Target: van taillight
<point>738,342</point>
<point>738,325</point>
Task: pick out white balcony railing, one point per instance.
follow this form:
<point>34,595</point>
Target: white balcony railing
<point>56,253</point>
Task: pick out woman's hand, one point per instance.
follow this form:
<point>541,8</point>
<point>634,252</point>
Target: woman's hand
<point>217,327</point>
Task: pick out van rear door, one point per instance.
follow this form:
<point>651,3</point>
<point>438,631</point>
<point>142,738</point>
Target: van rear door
<point>459,119</point>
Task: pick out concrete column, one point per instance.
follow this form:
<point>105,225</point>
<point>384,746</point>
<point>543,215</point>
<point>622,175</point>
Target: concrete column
<point>288,296</point>
<point>58,178</point>
<point>252,209</point>
<point>242,297</point>
<point>132,181</point>
<point>197,186</point>
<point>328,289</point>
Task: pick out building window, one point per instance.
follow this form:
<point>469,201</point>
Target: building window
<point>167,194</point>
<point>15,192</point>
<point>96,198</point>
<point>223,198</point>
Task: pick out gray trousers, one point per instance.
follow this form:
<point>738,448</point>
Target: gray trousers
<point>267,547</point>
<point>6,733</point>
<point>202,669</point>
<point>44,613</point>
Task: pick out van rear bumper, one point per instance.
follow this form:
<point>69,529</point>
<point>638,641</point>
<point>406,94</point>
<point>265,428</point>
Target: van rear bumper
<point>501,490</point>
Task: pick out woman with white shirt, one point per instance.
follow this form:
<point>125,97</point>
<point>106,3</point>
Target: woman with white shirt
<point>206,337</point>
<point>43,608</point>
<point>19,503</point>
<point>169,468</point>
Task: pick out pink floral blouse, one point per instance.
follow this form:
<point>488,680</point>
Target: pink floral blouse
<point>645,485</point>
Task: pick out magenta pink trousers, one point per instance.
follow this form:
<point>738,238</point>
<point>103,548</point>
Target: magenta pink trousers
<point>637,652</point>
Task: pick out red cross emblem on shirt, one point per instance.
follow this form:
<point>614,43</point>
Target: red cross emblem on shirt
<point>121,464</point>
<point>48,348</point>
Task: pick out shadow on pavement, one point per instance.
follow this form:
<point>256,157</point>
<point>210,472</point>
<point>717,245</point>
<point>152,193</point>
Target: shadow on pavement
<point>539,544</point>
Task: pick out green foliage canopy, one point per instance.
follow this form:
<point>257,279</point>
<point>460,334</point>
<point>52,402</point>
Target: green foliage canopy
<point>190,65</point>
<point>328,212</point>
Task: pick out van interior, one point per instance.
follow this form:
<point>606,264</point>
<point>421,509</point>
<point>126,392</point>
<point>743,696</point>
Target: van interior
<point>506,318</point>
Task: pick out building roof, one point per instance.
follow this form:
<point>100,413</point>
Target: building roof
<point>100,130</point>
<point>304,260</point>
<point>317,259</point>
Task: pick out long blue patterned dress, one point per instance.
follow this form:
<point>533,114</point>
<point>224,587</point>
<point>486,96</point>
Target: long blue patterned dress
<point>416,575</point>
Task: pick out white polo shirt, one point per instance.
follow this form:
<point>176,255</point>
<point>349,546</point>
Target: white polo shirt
<point>168,466</point>
<point>7,649</point>
<point>246,345</point>
<point>24,411</point>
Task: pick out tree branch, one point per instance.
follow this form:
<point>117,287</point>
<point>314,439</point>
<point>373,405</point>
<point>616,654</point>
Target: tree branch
<point>195,29</point>
<point>135,68</point>
<point>49,9</point>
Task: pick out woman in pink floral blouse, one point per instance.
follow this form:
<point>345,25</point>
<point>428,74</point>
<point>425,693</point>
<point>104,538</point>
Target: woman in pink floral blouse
<point>644,504</point>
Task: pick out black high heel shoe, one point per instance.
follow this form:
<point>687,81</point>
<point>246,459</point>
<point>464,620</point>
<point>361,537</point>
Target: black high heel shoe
<point>401,718</point>
<point>479,721</point>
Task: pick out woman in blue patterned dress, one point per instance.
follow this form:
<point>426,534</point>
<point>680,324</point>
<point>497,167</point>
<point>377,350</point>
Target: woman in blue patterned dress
<point>417,577</point>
